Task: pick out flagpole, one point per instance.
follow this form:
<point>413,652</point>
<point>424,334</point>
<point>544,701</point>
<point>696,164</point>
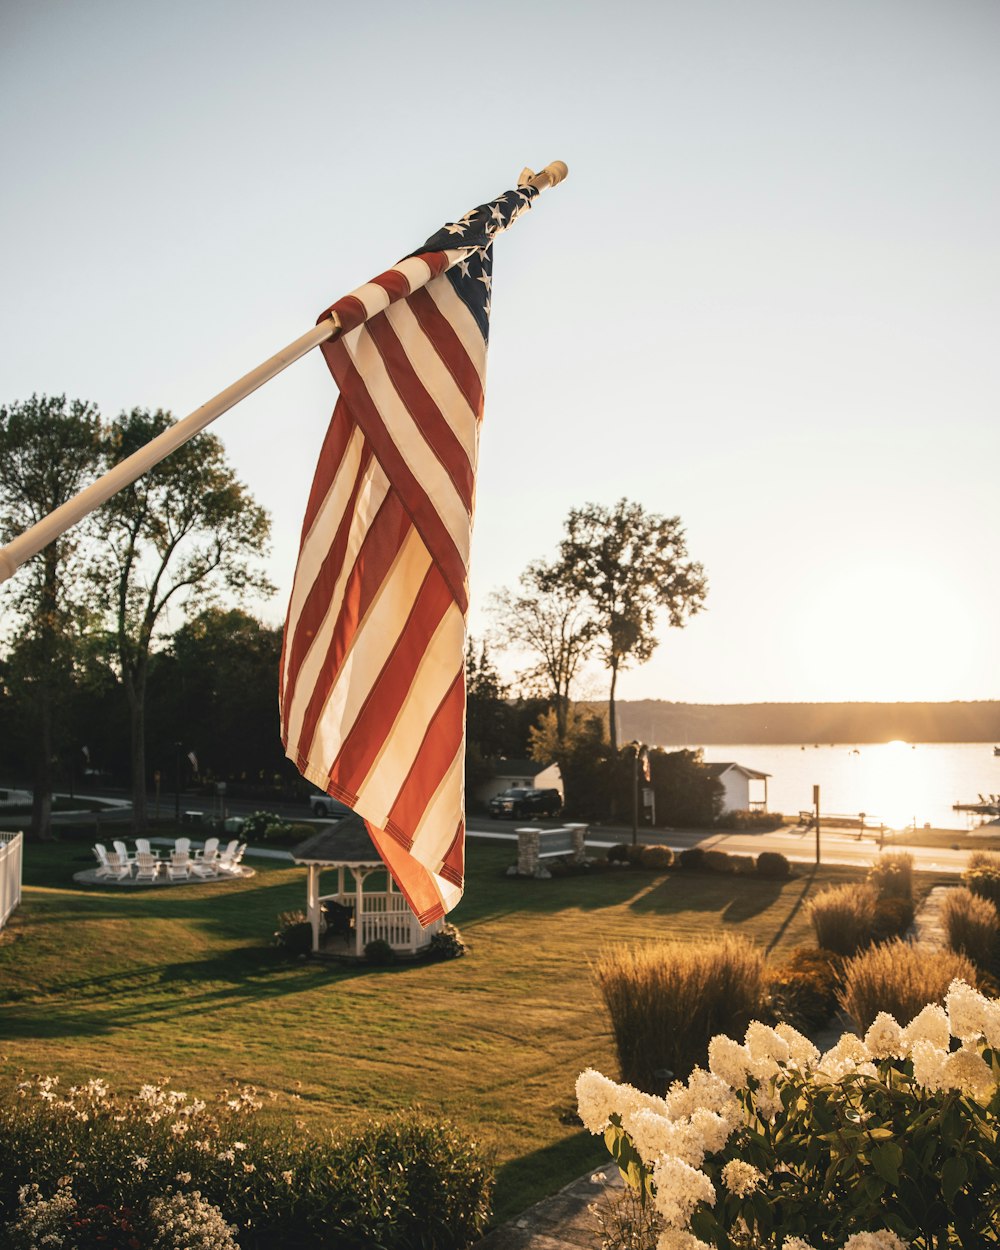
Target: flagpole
<point>91,497</point>
<point>49,528</point>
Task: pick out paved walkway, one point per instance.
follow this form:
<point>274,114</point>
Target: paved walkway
<point>565,1222</point>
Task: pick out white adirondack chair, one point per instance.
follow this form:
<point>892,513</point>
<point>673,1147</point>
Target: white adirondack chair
<point>103,867</point>
<point>147,866</point>
<point>142,847</point>
<point>118,867</point>
<point>122,851</point>
<point>226,863</point>
<point>207,866</point>
<point>183,845</point>
<point>179,867</point>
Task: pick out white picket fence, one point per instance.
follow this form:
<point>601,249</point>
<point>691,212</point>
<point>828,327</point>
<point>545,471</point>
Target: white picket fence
<point>11,845</point>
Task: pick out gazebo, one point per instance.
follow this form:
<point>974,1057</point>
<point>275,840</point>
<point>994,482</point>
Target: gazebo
<point>383,914</point>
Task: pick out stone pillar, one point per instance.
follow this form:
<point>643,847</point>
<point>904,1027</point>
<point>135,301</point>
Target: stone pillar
<point>527,852</point>
<point>579,833</point>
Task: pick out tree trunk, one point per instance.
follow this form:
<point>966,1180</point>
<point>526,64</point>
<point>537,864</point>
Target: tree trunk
<point>612,715</point>
<point>135,686</point>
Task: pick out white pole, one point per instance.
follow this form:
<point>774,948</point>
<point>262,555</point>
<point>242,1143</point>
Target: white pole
<point>73,510</point>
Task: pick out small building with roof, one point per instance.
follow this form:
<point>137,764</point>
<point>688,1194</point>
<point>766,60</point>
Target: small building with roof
<point>743,789</point>
<point>514,774</point>
<point>352,916</point>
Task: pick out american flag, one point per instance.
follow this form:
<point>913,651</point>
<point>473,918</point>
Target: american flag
<point>372,685</point>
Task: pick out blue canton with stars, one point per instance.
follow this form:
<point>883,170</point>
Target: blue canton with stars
<point>472,277</point>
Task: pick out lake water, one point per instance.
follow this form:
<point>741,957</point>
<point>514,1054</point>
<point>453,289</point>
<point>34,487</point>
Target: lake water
<point>895,782</point>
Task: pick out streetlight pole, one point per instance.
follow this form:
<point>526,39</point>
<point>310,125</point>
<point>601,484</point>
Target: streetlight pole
<point>640,751</point>
<point>816,805</point>
<point>177,783</point>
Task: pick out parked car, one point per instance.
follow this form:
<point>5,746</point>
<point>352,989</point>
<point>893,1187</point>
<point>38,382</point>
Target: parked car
<point>324,805</point>
<point>519,802</point>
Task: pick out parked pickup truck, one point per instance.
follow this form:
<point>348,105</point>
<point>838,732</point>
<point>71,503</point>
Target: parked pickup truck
<point>519,803</point>
<point>324,805</point>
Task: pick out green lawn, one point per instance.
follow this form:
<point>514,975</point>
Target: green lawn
<point>184,984</point>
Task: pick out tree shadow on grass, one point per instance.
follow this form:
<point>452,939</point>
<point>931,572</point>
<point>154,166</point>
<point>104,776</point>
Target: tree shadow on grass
<point>796,906</point>
<point>524,1181</point>
<point>752,901</point>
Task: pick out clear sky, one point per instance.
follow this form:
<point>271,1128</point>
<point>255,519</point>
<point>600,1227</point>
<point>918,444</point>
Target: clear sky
<point>767,299</point>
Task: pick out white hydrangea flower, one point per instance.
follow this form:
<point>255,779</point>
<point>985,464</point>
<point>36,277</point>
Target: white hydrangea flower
<point>928,1065</point>
<point>729,1061</point>
<point>741,1178</point>
<point>709,1092</point>
<point>767,1101</point>
<point>803,1053</point>
<point>764,1042</point>
<point>596,1098</point>
<point>928,1025</point>
<point>842,1058</point>
<point>969,1072</point>
<point>881,1240</point>
<point>655,1136</point>
<point>884,1039</point>
<point>713,1129</point>
<point>969,1014</point>
<point>631,1100</point>
<point>795,1243</point>
<point>680,1239</point>
<point>679,1189</point>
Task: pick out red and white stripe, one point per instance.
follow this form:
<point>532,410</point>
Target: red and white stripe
<point>372,686</point>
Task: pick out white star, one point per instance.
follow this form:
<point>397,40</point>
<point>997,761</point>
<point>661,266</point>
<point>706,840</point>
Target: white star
<point>456,228</point>
<point>486,280</point>
<point>487,306</point>
<point>497,214</point>
<point>463,268</point>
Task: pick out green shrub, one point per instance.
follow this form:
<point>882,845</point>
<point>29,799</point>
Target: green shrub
<point>633,854</point>
<point>692,859</point>
<point>803,991</point>
<point>985,882</point>
<point>900,979</point>
<point>294,932</point>
<point>758,822</point>
<point>666,999</point>
<point>447,943</point>
<point>843,917</point>
<point>379,952</point>
<point>971,926</point>
<point>892,875</point>
<point>717,861</point>
<point>657,857</point>
<point>773,865</point>
<point>618,854</point>
<point>983,859</point>
<point>743,865</point>
<point>893,916</point>
<point>409,1182</point>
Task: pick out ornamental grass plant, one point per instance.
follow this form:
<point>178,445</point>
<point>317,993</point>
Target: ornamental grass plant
<point>900,979</point>
<point>665,1000</point>
<point>843,917</point>
<point>892,875</point>
<point>972,927</point>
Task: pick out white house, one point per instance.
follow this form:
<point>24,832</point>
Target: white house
<point>526,774</point>
<point>743,789</point>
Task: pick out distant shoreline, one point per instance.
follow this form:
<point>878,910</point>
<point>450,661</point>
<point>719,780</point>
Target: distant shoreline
<point>804,724</point>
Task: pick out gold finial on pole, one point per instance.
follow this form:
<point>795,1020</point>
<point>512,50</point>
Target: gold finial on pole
<point>550,176</point>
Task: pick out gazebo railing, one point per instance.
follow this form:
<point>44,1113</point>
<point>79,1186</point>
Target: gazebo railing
<point>388,918</point>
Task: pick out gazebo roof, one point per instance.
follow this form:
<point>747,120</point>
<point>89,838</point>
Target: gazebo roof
<point>347,842</point>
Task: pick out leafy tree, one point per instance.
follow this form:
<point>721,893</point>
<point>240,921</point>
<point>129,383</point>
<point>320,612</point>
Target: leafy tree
<point>631,565</point>
<point>49,450</point>
<point>550,619</point>
<point>584,757</point>
<point>176,535</point>
<point>487,716</point>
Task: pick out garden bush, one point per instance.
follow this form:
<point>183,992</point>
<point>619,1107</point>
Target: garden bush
<point>899,978</point>
<point>983,859</point>
<point>161,1160</point>
<point>447,943</point>
<point>773,865</point>
<point>691,859</point>
<point>843,917</point>
<point>759,822</point>
<point>881,1143</point>
<point>892,875</point>
<point>972,926</point>
<point>893,917</point>
<point>294,932</point>
<point>666,999</point>
<point>633,854</point>
<point>743,865</point>
<point>657,858</point>
<point>717,861</point>
<point>618,854</point>
<point>379,952</point>
<point>803,991</point>
<point>985,882</point>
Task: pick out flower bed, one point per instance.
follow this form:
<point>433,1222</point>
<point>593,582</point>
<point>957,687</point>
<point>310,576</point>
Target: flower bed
<point>881,1143</point>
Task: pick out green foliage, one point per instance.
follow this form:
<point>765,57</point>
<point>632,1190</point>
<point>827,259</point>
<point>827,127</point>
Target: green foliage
<point>618,854</point>
<point>447,943</point>
<point>803,990</point>
<point>972,927</point>
<point>294,933</point>
<point>892,875</point>
<point>665,1000</point>
<point>743,865</point>
<point>487,724</point>
<point>883,1143</point>
<point>755,822</point>
<point>717,861</point>
<point>984,882</point>
<point>405,1183</point>
<point>658,858</point>
<point>893,917</point>
<point>379,952</point>
<point>843,918</point>
<point>267,826</point>
<point>773,865</point>
<point>692,859</point>
<point>687,795</point>
<point>899,978</point>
